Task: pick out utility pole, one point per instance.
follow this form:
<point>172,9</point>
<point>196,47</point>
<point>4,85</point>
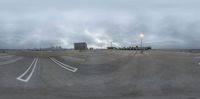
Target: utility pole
<point>141,37</point>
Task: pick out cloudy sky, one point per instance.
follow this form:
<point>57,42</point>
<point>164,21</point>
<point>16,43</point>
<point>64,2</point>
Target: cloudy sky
<point>45,23</point>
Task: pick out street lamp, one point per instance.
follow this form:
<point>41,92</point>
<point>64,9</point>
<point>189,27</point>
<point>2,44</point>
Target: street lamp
<point>141,37</point>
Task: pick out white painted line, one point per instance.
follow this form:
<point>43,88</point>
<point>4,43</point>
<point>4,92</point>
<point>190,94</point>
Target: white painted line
<point>29,76</point>
<point>136,54</point>
<point>139,54</point>
<point>64,64</point>
<point>146,53</point>
<point>70,68</point>
<point>10,61</point>
<point>133,52</point>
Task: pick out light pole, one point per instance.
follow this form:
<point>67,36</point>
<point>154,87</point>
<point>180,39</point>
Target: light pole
<point>141,37</point>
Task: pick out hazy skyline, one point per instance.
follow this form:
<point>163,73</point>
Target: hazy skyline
<point>45,23</point>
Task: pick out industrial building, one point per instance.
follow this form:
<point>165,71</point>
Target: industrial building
<point>80,46</point>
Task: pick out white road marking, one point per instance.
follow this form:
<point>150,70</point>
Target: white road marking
<point>146,53</point>
<point>34,63</point>
<point>134,52</point>
<point>70,68</point>
<point>138,54</point>
<point>10,61</point>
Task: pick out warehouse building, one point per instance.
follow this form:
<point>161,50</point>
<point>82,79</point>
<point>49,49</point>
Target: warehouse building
<point>80,46</point>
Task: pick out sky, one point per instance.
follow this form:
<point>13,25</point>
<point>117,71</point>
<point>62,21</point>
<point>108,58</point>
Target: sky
<point>46,23</point>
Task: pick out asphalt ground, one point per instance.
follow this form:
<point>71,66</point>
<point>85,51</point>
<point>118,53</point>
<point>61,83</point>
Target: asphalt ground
<point>101,74</point>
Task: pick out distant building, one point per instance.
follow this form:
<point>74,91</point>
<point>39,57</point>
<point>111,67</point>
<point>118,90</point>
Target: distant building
<point>91,48</point>
<point>80,46</point>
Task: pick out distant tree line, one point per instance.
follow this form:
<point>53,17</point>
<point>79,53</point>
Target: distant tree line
<point>130,48</point>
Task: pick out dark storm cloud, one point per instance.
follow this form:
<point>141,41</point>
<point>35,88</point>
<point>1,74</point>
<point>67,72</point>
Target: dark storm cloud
<point>45,23</point>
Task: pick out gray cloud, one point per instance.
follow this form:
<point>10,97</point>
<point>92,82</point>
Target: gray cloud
<point>34,24</point>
